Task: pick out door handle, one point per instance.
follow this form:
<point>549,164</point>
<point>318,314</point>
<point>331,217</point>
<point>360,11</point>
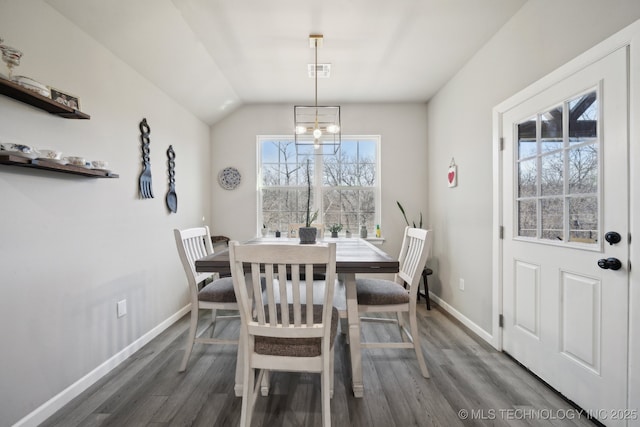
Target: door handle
<point>612,237</point>
<point>610,264</point>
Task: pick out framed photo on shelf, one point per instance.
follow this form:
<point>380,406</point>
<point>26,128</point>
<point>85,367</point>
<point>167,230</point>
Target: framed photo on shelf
<point>65,99</point>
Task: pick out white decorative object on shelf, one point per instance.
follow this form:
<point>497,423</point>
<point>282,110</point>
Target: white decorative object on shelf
<point>33,85</point>
<point>11,57</point>
<point>20,150</point>
<point>229,178</point>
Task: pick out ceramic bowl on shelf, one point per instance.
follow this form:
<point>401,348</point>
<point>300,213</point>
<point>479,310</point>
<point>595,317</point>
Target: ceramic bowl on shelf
<point>100,164</point>
<point>32,85</point>
<point>19,150</point>
<point>48,154</point>
<point>76,161</point>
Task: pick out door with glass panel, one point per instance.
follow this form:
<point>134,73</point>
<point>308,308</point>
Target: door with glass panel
<point>565,247</point>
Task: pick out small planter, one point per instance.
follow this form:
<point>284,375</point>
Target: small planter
<point>334,234</point>
<point>307,235</point>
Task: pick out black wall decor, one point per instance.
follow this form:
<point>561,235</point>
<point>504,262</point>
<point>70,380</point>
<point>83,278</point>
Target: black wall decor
<point>172,197</point>
<point>146,188</point>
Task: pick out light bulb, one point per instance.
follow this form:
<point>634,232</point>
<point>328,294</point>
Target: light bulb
<point>300,130</point>
<point>317,133</point>
<point>316,144</point>
<point>333,128</point>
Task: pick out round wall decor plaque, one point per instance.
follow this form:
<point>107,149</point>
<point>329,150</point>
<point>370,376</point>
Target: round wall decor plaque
<point>229,178</point>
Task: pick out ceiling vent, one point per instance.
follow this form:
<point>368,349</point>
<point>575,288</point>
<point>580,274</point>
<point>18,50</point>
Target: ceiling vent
<point>324,70</point>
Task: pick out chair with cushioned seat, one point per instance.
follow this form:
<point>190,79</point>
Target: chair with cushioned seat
<point>284,330</point>
<point>193,244</point>
<point>390,296</point>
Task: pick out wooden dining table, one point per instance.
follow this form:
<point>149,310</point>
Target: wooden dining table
<point>353,256</point>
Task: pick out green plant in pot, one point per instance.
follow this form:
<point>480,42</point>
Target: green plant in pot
<point>405,217</point>
<point>308,233</point>
<point>335,229</point>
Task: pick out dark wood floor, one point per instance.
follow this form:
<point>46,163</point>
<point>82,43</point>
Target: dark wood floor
<point>470,384</point>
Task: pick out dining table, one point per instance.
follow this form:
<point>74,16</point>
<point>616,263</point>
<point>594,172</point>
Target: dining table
<point>353,256</point>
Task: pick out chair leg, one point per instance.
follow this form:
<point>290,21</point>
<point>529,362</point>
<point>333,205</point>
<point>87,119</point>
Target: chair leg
<point>247,397</point>
<point>426,289</point>
<point>325,378</point>
<point>401,326</point>
<point>331,368</point>
<point>190,338</point>
<point>213,321</point>
<point>413,323</point>
<point>264,384</point>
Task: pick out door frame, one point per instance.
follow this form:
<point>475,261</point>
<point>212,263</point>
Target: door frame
<point>629,36</point>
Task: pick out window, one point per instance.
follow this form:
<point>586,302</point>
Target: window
<point>558,177</point>
<point>345,186</point>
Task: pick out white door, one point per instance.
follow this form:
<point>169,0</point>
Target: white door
<point>565,169</point>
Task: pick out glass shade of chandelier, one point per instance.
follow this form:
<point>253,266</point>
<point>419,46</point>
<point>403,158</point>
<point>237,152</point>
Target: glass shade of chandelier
<point>317,125</point>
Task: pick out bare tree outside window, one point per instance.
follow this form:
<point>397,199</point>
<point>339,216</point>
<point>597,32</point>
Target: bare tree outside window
<point>347,183</point>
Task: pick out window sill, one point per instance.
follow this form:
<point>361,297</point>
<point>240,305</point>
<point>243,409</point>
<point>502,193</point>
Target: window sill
<point>375,240</point>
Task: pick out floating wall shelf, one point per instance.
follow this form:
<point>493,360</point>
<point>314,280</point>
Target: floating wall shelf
<point>17,92</point>
<point>8,159</point>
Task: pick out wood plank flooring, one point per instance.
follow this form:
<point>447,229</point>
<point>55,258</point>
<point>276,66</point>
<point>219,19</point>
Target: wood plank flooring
<point>471,384</point>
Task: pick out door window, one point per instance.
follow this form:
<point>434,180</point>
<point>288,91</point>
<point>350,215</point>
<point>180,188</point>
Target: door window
<point>557,167</point>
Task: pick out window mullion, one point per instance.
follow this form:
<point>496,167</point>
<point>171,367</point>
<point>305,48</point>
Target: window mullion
<point>565,171</point>
<point>317,188</point>
<point>539,176</point>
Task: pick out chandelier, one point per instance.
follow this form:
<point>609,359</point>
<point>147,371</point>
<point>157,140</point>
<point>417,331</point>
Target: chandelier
<point>317,125</point>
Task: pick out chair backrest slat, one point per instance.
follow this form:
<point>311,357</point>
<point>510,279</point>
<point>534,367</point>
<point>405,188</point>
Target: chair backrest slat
<point>256,282</point>
<point>295,290</point>
<point>269,291</point>
<point>309,290</point>
<point>282,280</point>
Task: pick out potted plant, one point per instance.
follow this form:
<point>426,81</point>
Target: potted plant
<point>308,233</point>
<point>405,217</point>
<point>265,230</point>
<point>335,229</point>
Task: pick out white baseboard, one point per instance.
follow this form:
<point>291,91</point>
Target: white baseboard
<point>463,319</point>
<point>65,396</point>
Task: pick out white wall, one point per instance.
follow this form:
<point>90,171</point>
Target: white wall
<point>403,131</point>
<point>543,35</point>
<point>71,247</point>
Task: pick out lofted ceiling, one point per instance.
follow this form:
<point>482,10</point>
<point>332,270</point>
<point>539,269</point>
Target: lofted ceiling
<point>212,56</point>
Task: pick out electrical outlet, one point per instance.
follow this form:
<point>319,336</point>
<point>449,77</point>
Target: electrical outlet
<point>461,285</point>
<point>122,308</point>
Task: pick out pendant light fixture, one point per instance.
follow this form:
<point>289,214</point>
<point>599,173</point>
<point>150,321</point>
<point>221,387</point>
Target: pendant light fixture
<point>317,125</point>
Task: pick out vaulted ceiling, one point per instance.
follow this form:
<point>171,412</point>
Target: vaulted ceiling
<point>212,56</point>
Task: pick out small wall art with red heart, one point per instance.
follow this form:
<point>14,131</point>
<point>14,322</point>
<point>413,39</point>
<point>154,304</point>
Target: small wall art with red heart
<point>452,176</point>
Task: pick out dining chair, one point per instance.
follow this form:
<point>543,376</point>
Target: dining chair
<point>195,243</point>
<point>284,329</point>
<point>391,296</point>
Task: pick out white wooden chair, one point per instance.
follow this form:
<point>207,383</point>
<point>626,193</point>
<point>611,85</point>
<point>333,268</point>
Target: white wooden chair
<point>195,243</point>
<point>390,296</point>
<point>284,330</point>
